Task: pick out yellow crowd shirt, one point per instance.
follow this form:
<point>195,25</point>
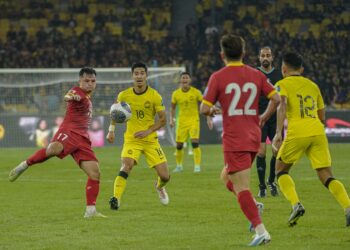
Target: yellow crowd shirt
<point>303,101</point>
<point>187,104</point>
<point>144,106</point>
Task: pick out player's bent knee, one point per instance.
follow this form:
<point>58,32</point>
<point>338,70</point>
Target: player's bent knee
<point>126,168</point>
<point>127,165</point>
<point>91,168</point>
<point>325,175</point>
<point>95,175</point>
<point>54,148</point>
<point>96,172</point>
<point>179,146</point>
<point>195,144</point>
<point>165,178</point>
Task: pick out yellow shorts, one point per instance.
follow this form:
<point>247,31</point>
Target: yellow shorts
<point>191,130</point>
<point>315,148</point>
<point>153,152</point>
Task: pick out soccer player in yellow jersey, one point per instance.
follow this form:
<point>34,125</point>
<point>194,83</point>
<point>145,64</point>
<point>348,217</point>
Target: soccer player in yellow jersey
<point>187,99</point>
<point>140,136</point>
<point>302,105</point>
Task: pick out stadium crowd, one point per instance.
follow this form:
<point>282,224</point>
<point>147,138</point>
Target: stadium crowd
<point>125,34</point>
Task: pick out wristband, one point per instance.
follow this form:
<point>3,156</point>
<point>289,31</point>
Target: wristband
<point>111,128</point>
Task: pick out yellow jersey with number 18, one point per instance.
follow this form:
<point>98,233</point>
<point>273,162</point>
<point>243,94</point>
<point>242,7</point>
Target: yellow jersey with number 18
<point>144,107</point>
<point>303,101</point>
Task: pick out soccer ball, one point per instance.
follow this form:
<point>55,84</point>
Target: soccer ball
<point>120,112</point>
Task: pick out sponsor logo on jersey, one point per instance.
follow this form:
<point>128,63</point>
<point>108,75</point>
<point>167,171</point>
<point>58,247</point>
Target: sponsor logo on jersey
<point>147,104</point>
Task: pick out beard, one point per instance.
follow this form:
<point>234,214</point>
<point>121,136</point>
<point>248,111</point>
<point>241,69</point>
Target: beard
<point>266,64</point>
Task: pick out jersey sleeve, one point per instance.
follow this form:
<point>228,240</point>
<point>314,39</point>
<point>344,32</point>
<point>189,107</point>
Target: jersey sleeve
<point>158,103</point>
<point>199,95</point>
<point>281,88</point>
<point>267,87</point>
<point>173,98</point>
<point>320,103</point>
<point>211,95</point>
<point>72,92</point>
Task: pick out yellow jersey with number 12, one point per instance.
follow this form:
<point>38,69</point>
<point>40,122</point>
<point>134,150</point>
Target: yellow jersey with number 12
<point>144,107</point>
<point>303,101</point>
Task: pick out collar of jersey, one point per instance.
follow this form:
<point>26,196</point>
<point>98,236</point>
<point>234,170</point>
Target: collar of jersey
<point>266,72</point>
<point>141,92</point>
<point>294,75</point>
<point>235,64</point>
<point>185,91</point>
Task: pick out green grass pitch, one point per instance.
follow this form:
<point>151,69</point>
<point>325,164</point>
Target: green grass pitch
<point>44,208</point>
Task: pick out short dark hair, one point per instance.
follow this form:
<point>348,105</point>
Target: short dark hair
<point>185,73</point>
<point>88,71</point>
<point>293,60</point>
<point>265,47</point>
<point>232,46</point>
<point>138,65</point>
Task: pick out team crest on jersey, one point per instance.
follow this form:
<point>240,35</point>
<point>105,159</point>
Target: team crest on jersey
<point>147,104</point>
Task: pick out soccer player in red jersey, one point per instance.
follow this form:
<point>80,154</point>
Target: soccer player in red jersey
<point>238,87</point>
<point>72,138</point>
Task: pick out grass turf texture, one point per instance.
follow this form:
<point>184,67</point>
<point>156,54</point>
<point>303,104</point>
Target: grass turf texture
<point>44,208</point>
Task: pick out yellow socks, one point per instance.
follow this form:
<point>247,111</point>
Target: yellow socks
<point>179,157</point>
<point>287,187</point>
<point>338,191</point>
<point>120,184</point>
<point>197,156</point>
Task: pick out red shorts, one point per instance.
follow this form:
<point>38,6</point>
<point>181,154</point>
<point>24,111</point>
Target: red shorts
<point>236,161</point>
<point>79,147</point>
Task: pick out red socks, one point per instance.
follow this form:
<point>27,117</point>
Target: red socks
<point>38,157</point>
<point>92,189</point>
<point>248,207</point>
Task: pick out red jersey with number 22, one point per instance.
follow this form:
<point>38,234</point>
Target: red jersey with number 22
<point>78,113</point>
<point>238,87</point>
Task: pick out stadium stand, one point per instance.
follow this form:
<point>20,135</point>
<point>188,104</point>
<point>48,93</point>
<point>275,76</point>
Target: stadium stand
<point>61,34</point>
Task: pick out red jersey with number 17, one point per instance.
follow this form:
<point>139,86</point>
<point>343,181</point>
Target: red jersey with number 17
<point>78,113</point>
<point>238,87</point>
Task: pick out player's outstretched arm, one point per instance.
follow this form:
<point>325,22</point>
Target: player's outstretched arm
<point>207,110</point>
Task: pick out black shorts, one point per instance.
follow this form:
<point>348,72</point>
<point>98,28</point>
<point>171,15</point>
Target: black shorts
<point>268,130</point>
